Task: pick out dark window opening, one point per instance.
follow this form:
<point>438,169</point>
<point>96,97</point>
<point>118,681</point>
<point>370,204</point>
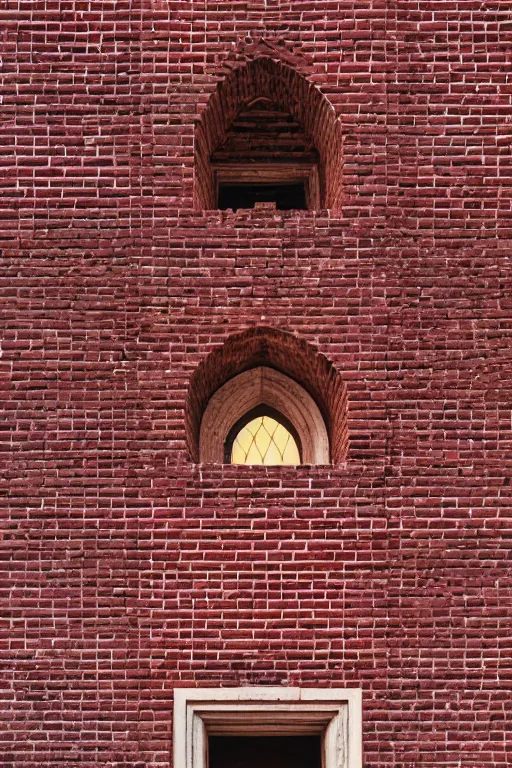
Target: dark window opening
<point>285,196</point>
<point>264,752</point>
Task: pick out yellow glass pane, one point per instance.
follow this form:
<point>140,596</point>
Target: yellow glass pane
<point>265,441</point>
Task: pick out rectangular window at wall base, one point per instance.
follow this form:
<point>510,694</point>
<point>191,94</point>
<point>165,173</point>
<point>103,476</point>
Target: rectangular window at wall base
<point>285,196</point>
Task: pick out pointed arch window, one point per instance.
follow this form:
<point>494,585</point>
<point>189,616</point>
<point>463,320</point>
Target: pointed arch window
<point>266,367</point>
<point>268,137</point>
<point>266,158</point>
<point>263,436</point>
<point>263,417</point>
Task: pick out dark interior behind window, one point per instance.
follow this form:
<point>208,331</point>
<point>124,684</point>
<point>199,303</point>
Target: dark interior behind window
<point>285,196</point>
<point>264,752</point>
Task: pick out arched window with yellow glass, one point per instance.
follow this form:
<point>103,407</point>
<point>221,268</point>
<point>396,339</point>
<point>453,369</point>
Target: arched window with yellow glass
<point>263,417</point>
<point>263,436</point>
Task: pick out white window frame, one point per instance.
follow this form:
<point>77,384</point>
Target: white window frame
<point>334,713</point>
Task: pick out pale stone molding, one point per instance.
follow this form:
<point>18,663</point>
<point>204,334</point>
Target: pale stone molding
<point>263,386</point>
<point>334,713</point>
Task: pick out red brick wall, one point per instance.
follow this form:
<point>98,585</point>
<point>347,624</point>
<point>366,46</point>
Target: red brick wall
<point>128,570</point>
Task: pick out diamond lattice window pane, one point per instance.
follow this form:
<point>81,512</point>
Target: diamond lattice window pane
<point>264,441</point>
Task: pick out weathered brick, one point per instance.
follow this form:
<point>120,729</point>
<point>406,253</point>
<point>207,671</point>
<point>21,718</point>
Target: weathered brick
<point>126,568</point>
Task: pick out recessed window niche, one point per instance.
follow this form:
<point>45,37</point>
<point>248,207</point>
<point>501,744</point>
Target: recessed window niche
<point>268,137</point>
<point>266,397</point>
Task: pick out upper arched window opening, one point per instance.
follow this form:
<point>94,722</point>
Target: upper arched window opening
<point>268,137</point>
<point>266,158</point>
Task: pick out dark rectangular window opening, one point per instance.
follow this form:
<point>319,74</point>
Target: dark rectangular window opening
<point>264,752</point>
<point>285,196</point>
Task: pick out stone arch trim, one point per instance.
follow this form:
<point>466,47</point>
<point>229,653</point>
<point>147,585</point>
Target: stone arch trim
<point>263,386</point>
<point>285,354</point>
<point>273,79</point>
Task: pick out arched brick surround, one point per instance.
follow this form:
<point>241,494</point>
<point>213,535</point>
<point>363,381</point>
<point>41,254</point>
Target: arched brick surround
<point>263,346</point>
<point>290,90</point>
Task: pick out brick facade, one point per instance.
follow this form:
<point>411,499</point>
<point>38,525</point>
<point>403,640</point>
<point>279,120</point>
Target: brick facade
<point>128,569</point>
